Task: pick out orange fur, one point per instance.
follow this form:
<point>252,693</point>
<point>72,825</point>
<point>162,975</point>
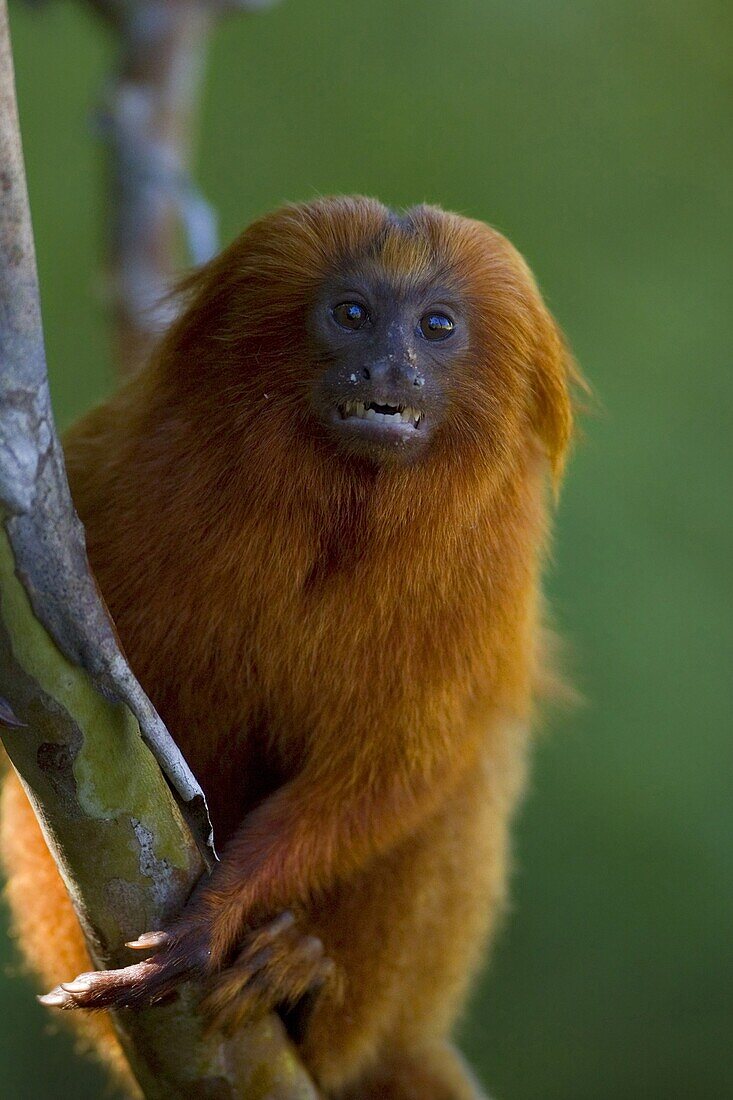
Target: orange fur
<point>347,655</point>
<point>44,921</point>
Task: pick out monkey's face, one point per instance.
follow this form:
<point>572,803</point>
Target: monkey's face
<point>385,351</point>
<point>400,339</point>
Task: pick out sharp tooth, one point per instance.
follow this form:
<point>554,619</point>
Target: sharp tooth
<point>359,408</point>
<point>371,415</point>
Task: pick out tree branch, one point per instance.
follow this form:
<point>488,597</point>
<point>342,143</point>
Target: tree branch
<point>148,123</point>
<point>76,724</point>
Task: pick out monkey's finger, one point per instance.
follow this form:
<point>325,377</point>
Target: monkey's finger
<point>283,922</point>
<point>136,986</point>
<point>265,951</point>
<point>267,934</point>
<point>274,947</point>
<point>324,974</point>
<point>260,981</point>
<point>285,982</point>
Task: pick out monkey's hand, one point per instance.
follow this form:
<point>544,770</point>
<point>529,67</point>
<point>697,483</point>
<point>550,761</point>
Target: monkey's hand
<point>275,964</point>
<point>181,953</point>
<point>294,843</point>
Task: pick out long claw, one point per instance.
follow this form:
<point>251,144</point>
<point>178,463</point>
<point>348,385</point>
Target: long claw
<point>55,999</point>
<point>79,985</point>
<point>149,941</point>
<point>149,980</point>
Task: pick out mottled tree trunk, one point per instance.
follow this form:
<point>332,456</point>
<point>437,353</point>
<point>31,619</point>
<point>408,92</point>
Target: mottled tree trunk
<point>120,809</point>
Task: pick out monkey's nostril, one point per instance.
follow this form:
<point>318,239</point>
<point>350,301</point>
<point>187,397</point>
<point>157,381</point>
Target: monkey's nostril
<point>366,373</point>
<point>418,381</point>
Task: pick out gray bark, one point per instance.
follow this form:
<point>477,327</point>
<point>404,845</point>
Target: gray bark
<point>121,811</point>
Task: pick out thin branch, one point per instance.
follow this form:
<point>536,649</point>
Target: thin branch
<point>148,123</point>
<point>72,713</point>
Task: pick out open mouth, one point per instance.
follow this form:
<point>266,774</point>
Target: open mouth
<point>381,414</point>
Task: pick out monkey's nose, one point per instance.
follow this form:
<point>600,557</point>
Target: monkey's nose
<point>392,370</point>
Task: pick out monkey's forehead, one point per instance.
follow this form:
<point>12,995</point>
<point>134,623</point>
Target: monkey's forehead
<point>405,251</point>
<point>324,239</point>
<point>383,277</point>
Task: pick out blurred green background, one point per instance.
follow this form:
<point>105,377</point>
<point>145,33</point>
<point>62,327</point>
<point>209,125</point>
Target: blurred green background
<point>597,136</point>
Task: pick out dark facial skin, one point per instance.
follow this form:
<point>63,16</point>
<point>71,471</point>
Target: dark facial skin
<point>385,357</point>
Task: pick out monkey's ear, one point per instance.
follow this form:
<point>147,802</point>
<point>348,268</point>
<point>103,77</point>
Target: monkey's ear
<point>555,380</point>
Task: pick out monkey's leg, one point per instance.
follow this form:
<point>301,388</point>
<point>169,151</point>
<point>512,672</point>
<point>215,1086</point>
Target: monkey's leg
<point>434,1073</point>
<point>44,922</point>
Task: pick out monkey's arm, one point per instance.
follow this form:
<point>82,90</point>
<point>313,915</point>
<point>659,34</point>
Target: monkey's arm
<point>304,837</point>
<point>329,821</point>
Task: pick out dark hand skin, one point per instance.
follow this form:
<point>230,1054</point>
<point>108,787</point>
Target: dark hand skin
<point>275,966</point>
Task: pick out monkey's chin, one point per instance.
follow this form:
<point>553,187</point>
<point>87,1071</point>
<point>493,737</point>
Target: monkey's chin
<point>398,438</point>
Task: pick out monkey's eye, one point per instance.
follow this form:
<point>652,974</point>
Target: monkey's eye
<point>350,315</point>
<point>436,326</point>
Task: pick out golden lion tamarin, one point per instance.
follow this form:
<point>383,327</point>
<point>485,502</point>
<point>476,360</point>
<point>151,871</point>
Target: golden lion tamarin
<point>318,517</point>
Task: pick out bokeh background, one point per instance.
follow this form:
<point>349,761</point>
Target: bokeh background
<point>598,137</point>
